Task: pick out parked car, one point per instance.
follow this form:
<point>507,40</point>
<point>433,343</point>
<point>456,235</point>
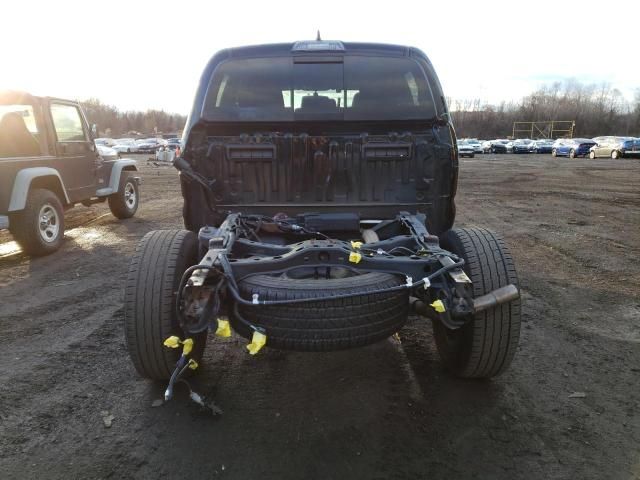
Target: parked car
<point>543,145</point>
<point>522,145</point>
<point>149,145</point>
<point>486,146</point>
<point>107,153</point>
<point>340,268</point>
<point>107,142</point>
<point>499,146</point>
<point>475,144</point>
<point>50,163</point>
<point>465,149</point>
<point>615,147</point>
<point>125,145</point>
<point>572,147</point>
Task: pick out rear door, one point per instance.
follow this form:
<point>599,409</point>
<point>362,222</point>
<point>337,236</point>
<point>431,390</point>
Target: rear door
<point>77,158</point>
<point>604,147</point>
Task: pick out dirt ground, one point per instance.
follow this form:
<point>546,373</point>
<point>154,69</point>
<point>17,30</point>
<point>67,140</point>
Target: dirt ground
<point>387,411</point>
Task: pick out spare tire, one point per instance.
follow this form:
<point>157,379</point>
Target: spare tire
<point>324,325</point>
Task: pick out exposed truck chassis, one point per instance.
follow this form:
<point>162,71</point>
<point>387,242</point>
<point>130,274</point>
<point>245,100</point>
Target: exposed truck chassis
<point>432,273</point>
<point>317,233</point>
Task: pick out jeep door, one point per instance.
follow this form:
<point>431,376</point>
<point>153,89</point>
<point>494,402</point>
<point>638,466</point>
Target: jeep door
<point>76,152</point>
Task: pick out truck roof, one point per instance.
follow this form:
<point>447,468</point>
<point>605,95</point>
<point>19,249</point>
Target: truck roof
<point>279,49</point>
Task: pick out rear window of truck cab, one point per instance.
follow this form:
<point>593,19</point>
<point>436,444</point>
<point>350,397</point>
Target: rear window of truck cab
<point>285,89</point>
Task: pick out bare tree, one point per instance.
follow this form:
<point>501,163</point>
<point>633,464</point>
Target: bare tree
<point>109,118</point>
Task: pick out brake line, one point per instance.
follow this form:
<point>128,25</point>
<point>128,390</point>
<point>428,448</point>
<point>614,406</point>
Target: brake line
<point>256,301</point>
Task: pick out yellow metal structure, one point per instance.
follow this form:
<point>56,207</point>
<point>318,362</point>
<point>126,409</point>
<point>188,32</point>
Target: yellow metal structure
<point>548,129</point>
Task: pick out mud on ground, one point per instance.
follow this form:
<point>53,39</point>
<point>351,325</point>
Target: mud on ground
<point>387,411</point>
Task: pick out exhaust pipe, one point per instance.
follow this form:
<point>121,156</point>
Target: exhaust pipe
<point>495,298</point>
<point>490,300</point>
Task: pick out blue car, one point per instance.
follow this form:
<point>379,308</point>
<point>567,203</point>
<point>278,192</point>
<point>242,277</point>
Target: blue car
<point>523,145</point>
<point>543,146</point>
<point>572,147</point>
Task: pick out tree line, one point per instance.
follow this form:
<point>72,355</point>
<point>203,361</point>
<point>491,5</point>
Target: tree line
<point>597,109</point>
<point>111,122</point>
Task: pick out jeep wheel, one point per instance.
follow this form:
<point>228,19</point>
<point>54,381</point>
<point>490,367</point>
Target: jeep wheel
<point>124,202</point>
<point>155,271</point>
<point>485,345</point>
<point>328,324</point>
<point>39,228</point>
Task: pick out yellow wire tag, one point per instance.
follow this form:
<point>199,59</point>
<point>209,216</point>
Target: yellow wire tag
<point>187,346</point>
<point>355,257</point>
<point>172,342</point>
<point>223,329</point>
<point>355,244</point>
<point>257,342</point>
<point>438,306</point>
<point>193,364</point>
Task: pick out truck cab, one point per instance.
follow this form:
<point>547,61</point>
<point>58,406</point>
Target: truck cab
<point>48,164</point>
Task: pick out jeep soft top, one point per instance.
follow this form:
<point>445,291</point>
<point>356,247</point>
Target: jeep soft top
<point>318,182</point>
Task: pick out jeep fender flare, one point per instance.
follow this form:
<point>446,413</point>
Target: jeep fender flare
<point>116,172</point>
<point>22,183</point>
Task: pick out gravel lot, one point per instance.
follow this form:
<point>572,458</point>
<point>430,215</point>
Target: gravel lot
<point>387,411</point>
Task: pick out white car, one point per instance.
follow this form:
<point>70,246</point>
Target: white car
<point>125,145</point>
<point>465,150</point>
<point>150,145</point>
<point>475,144</point>
<point>107,153</point>
<point>107,142</point>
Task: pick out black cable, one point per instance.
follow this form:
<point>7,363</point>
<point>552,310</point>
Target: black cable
<point>236,313</point>
<point>236,294</point>
<point>411,252</point>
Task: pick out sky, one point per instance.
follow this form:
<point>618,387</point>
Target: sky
<point>140,54</point>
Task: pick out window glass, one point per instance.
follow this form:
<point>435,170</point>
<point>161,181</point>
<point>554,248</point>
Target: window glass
<point>356,88</point>
<point>67,123</point>
<point>388,89</point>
<point>18,131</point>
<point>317,91</point>
<point>250,90</point>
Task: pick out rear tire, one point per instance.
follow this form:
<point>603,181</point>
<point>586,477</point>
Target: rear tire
<point>592,154</point>
<point>39,228</point>
<point>572,153</point>
<point>324,325</point>
<point>154,275</point>
<point>484,347</point>
<point>615,154</point>
<point>554,153</point>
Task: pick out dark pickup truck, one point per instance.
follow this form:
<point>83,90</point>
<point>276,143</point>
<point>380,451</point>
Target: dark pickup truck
<point>48,164</point>
<point>318,181</point>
